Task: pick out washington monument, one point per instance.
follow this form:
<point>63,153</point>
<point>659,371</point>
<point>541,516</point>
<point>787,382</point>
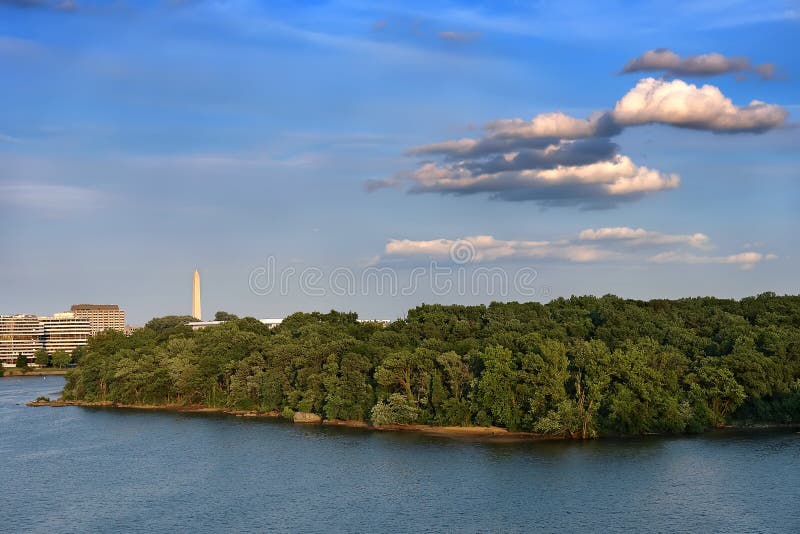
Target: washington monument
<point>196,311</point>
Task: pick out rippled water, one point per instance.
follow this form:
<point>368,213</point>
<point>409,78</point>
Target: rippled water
<point>97,470</point>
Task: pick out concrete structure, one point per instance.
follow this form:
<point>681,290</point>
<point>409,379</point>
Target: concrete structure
<point>272,323</point>
<point>197,312</point>
<point>130,329</point>
<point>25,334</point>
<point>197,325</point>
<point>101,316</point>
<point>64,331</point>
<point>19,334</point>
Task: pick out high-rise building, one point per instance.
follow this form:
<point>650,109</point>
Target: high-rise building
<point>196,311</point>
<point>64,331</point>
<point>101,316</point>
<point>19,334</point>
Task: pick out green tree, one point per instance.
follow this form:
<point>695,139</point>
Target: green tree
<point>61,358</point>
<point>225,316</point>
<point>22,361</point>
<point>497,389</point>
<point>41,357</point>
<point>78,354</point>
<point>397,409</point>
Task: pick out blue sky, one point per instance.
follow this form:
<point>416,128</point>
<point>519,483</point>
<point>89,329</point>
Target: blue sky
<point>140,140</point>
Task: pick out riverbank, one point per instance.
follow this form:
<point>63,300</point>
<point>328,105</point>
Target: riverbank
<point>16,371</point>
<point>491,433</point>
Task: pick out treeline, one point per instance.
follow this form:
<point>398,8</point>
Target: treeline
<point>583,366</point>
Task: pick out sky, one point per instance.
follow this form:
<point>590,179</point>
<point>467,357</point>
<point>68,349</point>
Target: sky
<point>370,157</point>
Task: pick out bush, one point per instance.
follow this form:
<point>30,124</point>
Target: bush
<point>398,409</point>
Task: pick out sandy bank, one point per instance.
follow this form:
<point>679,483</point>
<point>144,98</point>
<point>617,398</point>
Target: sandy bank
<point>14,371</point>
<point>464,432</point>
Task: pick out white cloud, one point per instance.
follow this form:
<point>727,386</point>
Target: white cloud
<point>556,124</point>
<point>486,248</point>
<point>621,244</point>
<point>604,181</point>
<point>678,103</point>
<point>662,59</point>
<point>642,237</point>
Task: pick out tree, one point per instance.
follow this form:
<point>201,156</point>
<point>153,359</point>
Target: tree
<point>497,389</point>
<point>41,357</point>
<point>398,409</point>
<point>22,361</point>
<point>718,389</point>
<point>225,316</point>
<point>78,354</point>
<point>61,358</point>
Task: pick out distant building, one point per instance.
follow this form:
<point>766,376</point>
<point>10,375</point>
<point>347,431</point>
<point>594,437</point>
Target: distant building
<point>101,316</point>
<point>64,331</point>
<point>25,334</point>
<point>197,325</point>
<point>19,334</point>
<point>130,329</point>
<point>272,323</point>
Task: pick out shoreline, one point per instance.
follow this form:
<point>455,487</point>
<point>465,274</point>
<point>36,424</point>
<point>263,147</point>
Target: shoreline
<point>477,433</point>
<point>491,433</point>
<point>9,372</point>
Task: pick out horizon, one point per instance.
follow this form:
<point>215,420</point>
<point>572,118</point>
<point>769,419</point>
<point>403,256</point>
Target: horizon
<point>357,150</point>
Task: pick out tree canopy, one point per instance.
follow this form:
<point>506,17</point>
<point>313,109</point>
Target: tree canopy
<point>582,367</point>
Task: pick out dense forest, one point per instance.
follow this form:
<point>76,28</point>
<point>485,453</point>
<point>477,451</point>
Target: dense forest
<point>581,367</point>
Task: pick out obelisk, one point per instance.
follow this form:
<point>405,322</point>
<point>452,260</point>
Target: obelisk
<point>196,311</point>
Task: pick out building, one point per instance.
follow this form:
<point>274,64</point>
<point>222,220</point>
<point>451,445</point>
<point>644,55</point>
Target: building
<point>19,334</point>
<point>197,312</point>
<point>101,316</point>
<point>64,331</point>
<point>130,329</point>
<point>272,323</point>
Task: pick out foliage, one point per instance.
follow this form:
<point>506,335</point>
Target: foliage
<point>580,367</point>
<point>41,357</point>
<point>61,358</point>
<point>22,361</point>
<point>225,316</point>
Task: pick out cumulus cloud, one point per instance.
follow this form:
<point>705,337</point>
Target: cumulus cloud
<point>595,184</point>
<point>665,60</point>
<point>685,105</point>
<point>617,244</point>
<point>556,159</point>
<point>555,125</point>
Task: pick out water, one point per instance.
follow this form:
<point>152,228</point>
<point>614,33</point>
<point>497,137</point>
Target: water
<point>98,470</point>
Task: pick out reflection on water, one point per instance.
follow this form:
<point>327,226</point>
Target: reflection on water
<point>99,470</point>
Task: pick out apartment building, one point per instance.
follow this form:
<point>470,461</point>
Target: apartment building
<point>101,316</point>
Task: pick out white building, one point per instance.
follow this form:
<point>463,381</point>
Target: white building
<point>64,331</point>
<point>19,334</point>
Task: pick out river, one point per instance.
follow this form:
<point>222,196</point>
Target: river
<point>78,469</point>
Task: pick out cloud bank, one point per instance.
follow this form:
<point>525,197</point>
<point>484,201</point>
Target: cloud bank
<point>714,64</point>
<point>557,159</point>
<point>609,244</point>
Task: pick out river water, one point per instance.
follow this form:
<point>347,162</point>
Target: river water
<point>98,470</point>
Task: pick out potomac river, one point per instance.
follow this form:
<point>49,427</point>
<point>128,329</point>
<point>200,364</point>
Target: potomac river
<point>76,469</point>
